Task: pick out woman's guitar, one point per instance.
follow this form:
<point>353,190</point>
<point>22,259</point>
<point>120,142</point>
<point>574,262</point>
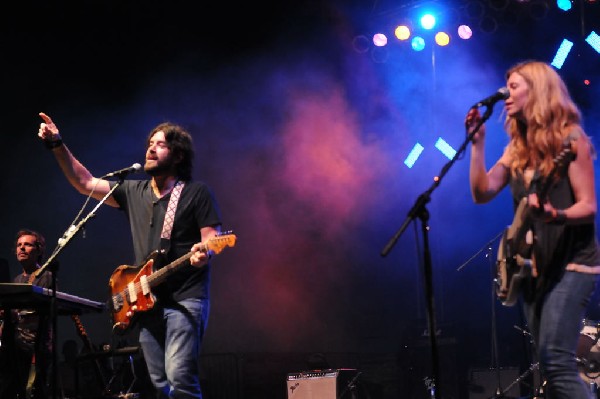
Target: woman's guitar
<point>131,287</point>
<point>515,260</point>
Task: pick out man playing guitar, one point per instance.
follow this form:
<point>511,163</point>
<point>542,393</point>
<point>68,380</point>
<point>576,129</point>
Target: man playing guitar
<point>173,214</point>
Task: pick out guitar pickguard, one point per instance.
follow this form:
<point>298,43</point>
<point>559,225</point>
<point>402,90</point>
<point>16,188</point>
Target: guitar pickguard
<point>130,294</point>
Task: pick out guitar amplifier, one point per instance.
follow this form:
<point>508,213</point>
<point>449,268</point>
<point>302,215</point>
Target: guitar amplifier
<point>321,384</point>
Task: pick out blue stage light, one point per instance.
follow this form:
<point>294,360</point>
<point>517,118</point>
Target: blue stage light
<point>413,155</point>
<point>594,40</point>
<point>417,43</point>
<point>445,148</point>
<point>564,5</point>
<point>428,21</point>
<point>561,54</point>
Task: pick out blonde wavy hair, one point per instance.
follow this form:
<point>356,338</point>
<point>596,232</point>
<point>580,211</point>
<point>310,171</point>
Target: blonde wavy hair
<point>550,115</point>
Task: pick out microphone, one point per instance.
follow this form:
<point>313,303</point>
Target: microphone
<point>501,94</point>
<point>136,167</point>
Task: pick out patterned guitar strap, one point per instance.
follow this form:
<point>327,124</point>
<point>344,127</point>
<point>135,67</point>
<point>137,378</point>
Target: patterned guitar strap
<point>165,235</point>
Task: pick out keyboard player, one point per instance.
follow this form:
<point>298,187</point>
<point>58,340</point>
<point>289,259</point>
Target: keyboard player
<point>26,348</point>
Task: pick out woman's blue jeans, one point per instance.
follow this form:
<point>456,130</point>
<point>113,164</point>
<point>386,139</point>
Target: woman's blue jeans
<point>556,325</point>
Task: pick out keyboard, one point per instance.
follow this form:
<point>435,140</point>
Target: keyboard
<point>17,295</point>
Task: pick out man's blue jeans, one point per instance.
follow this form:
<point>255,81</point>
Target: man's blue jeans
<point>556,327</point>
<point>170,338</point>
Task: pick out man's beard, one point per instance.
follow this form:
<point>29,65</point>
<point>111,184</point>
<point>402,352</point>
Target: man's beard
<point>158,168</point>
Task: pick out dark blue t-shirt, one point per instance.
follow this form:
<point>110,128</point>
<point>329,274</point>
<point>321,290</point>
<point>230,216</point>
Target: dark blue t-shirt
<point>197,208</point>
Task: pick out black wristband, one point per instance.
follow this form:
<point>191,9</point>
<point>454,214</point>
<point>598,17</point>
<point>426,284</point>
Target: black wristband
<point>561,217</point>
<point>53,144</point>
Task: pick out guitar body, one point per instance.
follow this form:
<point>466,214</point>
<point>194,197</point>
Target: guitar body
<point>33,382</point>
<point>516,234</point>
<point>129,294</point>
<point>131,287</point>
<point>511,271</point>
<point>516,260</point>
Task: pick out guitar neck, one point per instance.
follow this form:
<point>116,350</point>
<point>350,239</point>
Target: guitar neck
<point>82,333</point>
<point>560,161</point>
<point>161,274</point>
<point>215,245</point>
<point>90,347</point>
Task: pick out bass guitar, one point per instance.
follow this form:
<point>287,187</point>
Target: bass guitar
<point>515,261</point>
<point>131,287</point>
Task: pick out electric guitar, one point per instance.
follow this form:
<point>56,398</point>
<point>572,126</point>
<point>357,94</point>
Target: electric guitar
<point>87,342</point>
<point>131,287</point>
<point>515,261</point>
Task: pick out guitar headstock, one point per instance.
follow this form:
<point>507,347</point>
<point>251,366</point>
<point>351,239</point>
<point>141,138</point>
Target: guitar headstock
<point>561,163</point>
<point>221,241</point>
<point>564,156</point>
<point>78,325</point>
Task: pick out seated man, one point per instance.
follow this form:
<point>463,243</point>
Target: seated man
<point>26,336</point>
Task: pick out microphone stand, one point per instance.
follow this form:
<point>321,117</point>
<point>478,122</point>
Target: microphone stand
<point>419,210</point>
<point>62,242</point>
<point>495,358</point>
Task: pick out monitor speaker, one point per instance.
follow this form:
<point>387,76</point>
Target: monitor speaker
<point>321,384</point>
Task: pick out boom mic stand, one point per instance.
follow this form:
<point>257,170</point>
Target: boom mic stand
<point>62,242</point>
<point>534,365</point>
<point>495,359</point>
<point>419,210</point>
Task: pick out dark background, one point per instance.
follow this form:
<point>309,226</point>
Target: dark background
<point>302,134</point>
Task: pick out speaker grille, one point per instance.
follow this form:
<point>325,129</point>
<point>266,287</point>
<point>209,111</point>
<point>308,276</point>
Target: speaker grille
<point>319,384</point>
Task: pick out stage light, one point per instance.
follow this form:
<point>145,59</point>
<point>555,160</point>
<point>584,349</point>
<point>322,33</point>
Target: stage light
<point>561,54</point>
<point>427,21</point>
<point>465,32</point>
<point>564,5</point>
<point>379,39</point>
<point>586,82</point>
<point>402,32</point>
<point>445,148</point>
<point>442,39</point>
<point>594,40</point>
<point>414,154</point>
<point>417,43</point>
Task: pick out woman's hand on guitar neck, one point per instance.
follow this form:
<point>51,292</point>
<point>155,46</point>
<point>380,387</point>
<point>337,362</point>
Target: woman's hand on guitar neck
<point>545,212</point>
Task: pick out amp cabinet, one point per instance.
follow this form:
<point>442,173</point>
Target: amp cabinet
<point>322,384</point>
